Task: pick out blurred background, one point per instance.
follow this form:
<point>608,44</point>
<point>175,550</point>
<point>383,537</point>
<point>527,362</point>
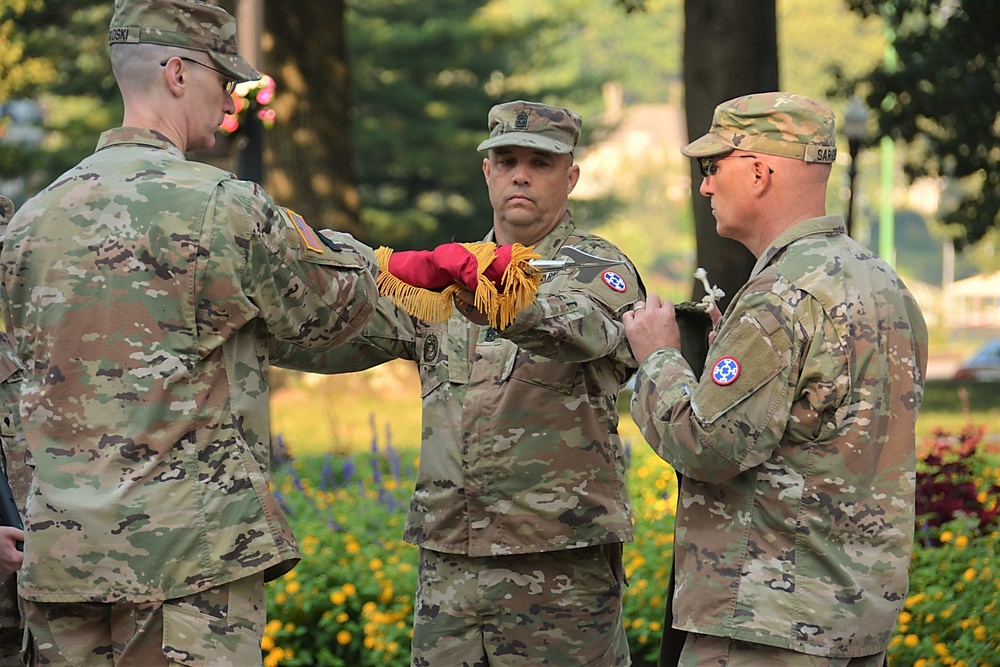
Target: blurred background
<point>370,113</point>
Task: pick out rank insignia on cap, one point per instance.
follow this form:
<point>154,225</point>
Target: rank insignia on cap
<point>614,281</point>
<point>306,232</point>
<point>522,121</point>
<point>725,371</point>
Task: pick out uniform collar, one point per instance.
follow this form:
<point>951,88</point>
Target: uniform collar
<point>136,135</point>
<point>552,242</point>
<point>828,225</point>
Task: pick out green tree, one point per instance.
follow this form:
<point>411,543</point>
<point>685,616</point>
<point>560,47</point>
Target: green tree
<point>54,51</point>
<point>940,94</point>
<point>425,74</point>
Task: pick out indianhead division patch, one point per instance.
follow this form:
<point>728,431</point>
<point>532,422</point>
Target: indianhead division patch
<point>306,232</point>
<point>725,371</point>
<point>614,281</point>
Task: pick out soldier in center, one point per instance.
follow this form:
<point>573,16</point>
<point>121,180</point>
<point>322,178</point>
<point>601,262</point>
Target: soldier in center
<point>520,506</point>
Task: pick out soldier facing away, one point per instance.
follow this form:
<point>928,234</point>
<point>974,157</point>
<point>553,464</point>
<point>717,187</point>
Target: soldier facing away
<point>520,507</point>
<point>141,290</point>
<point>796,445</point>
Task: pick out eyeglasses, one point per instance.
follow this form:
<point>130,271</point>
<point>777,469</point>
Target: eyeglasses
<point>709,165</point>
<point>228,83</point>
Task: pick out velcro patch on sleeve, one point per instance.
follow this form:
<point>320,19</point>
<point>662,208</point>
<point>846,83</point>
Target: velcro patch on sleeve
<point>748,362</point>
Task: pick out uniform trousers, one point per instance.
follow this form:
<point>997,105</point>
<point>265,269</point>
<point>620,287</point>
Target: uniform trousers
<point>706,650</point>
<point>556,608</point>
<point>218,626</point>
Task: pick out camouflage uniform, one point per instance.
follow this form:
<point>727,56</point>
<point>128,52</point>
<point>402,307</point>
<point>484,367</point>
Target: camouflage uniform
<point>15,468</point>
<point>144,287</point>
<point>18,476</point>
<point>796,446</point>
<point>521,452</point>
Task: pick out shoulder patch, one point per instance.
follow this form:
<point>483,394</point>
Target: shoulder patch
<point>614,280</point>
<point>725,371</point>
<point>309,237</point>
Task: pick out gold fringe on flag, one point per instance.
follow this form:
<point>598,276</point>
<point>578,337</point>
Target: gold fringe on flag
<point>517,289</point>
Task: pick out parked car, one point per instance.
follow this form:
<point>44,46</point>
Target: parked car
<point>983,366</point>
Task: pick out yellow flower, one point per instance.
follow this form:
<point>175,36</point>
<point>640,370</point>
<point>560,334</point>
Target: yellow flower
<point>980,633</point>
<point>273,626</point>
<point>969,574</point>
<point>280,598</point>
<point>904,617</point>
<point>343,637</point>
<point>350,590</point>
<point>375,564</point>
<point>343,617</point>
<point>910,641</point>
<point>289,627</point>
<point>338,597</point>
<point>920,663</point>
<point>961,541</point>
<point>946,536</point>
<point>292,587</point>
<point>266,643</point>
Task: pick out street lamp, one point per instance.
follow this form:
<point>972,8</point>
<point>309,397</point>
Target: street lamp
<point>855,122</point>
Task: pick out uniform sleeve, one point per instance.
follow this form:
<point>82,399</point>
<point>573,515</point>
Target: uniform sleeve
<point>315,289</point>
<point>388,335</point>
<point>766,356</point>
<point>576,316</point>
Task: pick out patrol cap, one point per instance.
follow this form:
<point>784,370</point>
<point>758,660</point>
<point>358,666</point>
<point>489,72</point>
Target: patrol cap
<point>187,24</point>
<point>782,124</point>
<point>533,125</point>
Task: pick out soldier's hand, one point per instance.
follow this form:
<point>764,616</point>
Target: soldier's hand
<point>10,557</point>
<point>651,325</point>
<point>465,303</point>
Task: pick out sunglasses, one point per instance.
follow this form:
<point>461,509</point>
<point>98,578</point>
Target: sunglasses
<point>709,165</point>
<point>228,83</point>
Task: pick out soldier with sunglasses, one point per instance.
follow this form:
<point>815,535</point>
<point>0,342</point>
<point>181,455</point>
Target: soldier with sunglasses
<point>796,443</point>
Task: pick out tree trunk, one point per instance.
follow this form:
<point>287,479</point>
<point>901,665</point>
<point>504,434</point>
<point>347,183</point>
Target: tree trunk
<point>730,49</point>
<point>309,153</point>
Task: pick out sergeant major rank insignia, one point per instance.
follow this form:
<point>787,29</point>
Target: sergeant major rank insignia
<point>521,123</point>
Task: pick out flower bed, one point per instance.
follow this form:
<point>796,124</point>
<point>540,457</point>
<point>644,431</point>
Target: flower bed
<point>350,601</point>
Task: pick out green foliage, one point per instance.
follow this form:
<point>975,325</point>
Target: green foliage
<point>425,76</point>
<point>953,611</point>
<point>70,78</point>
<point>350,600</point>
<point>939,90</point>
<point>349,603</point>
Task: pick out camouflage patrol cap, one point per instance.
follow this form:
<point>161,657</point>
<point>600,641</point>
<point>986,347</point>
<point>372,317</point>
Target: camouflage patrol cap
<point>533,125</point>
<point>781,124</point>
<point>187,24</point>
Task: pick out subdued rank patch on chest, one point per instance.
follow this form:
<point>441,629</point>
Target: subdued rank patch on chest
<point>725,371</point>
<point>614,281</point>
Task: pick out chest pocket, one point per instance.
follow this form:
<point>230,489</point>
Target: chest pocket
<point>443,355</point>
<point>522,366</point>
<point>751,353</point>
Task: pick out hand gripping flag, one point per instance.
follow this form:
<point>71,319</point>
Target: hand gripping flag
<point>423,282</point>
